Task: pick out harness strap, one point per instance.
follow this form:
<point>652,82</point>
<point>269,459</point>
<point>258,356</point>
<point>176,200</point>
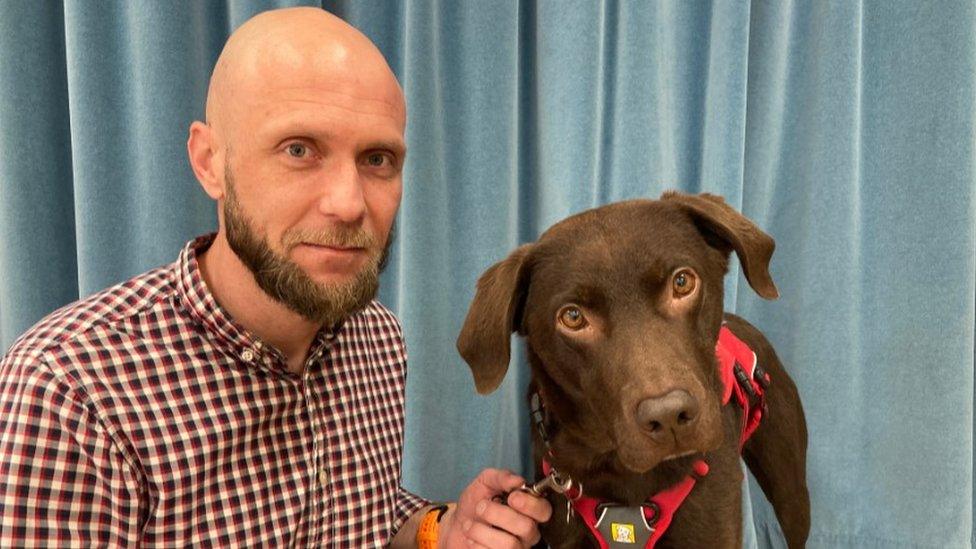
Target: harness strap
<point>742,378</point>
<point>668,501</point>
<point>657,513</point>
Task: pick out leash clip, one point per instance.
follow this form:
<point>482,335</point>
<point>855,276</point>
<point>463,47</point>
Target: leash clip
<point>553,481</point>
<point>558,484</point>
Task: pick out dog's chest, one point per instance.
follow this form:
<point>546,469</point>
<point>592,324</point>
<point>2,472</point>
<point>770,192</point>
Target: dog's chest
<point>624,527</point>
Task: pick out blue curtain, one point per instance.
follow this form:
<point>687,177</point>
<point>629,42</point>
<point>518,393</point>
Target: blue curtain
<point>845,129</point>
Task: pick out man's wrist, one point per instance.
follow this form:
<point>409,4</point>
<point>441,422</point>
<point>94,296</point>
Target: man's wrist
<point>447,521</point>
<point>429,529</point>
<point>430,532</point>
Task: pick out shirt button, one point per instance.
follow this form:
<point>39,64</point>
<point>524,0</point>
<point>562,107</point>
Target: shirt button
<point>323,480</point>
<point>247,355</point>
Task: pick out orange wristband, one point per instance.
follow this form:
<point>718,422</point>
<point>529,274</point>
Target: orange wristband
<point>429,527</point>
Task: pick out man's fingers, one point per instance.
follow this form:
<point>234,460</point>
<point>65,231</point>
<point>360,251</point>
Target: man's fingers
<point>493,524</point>
<point>499,480</point>
<point>480,532</point>
<point>508,519</point>
<point>534,507</point>
<point>474,544</point>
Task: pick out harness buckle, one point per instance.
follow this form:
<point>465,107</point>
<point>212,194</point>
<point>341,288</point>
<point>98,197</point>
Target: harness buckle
<point>761,377</point>
<point>743,379</point>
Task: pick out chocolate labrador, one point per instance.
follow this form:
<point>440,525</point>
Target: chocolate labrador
<point>621,307</point>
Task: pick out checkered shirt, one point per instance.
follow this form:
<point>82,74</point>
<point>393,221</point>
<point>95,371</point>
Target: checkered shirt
<point>144,415</point>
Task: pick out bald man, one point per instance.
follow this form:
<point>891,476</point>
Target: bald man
<point>250,393</point>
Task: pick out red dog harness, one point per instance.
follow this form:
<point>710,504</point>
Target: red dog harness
<point>618,526</point>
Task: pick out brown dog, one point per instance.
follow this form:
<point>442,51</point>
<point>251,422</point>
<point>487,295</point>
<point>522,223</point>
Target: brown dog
<point>622,307</point>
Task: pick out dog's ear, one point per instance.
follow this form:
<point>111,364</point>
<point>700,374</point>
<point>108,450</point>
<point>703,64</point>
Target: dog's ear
<point>751,244</point>
<point>485,339</point>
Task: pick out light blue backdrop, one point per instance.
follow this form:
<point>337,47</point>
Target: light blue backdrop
<point>845,129</point>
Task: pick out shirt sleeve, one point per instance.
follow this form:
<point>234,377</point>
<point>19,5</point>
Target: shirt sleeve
<point>63,481</point>
<point>406,505</point>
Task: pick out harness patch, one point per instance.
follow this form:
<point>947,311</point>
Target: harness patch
<point>623,533</point>
<point>623,526</point>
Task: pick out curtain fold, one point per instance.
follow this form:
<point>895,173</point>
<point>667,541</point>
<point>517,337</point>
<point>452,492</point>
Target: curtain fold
<point>846,130</point>
<point>38,263</point>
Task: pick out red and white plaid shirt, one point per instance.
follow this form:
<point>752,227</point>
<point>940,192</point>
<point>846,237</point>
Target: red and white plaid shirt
<point>144,415</point>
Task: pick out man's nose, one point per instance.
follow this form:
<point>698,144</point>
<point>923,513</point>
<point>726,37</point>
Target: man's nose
<point>343,197</point>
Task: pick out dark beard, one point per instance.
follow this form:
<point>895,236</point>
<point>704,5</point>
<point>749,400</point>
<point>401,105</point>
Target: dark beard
<point>287,283</point>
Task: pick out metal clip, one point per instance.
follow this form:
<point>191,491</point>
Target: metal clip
<point>551,482</point>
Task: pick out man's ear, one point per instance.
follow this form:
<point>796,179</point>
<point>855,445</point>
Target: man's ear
<point>495,312</point>
<point>752,245</point>
<point>201,149</point>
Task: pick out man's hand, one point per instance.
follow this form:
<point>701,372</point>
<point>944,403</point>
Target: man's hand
<point>477,521</point>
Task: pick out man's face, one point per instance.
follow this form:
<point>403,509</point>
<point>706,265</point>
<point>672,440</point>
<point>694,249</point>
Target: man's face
<point>313,183</point>
<point>286,282</point>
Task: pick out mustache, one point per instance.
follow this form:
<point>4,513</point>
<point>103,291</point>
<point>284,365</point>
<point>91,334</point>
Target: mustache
<point>339,236</point>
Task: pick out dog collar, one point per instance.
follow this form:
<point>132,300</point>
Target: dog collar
<point>614,525</point>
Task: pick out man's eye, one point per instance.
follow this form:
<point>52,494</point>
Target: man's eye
<point>298,150</point>
<point>377,160</point>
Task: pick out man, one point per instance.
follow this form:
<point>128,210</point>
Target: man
<point>251,393</point>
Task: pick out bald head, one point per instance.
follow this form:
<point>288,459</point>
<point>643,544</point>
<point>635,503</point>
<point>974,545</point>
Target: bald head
<point>303,150</point>
<point>295,51</point>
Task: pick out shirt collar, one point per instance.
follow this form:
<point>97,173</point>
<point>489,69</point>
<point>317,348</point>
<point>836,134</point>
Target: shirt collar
<point>226,333</point>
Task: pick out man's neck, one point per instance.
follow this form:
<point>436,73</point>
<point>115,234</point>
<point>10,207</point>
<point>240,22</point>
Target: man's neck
<point>234,288</point>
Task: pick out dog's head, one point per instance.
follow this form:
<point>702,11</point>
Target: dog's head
<point>621,306</point>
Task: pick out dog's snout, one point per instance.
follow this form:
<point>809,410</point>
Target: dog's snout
<point>674,411</point>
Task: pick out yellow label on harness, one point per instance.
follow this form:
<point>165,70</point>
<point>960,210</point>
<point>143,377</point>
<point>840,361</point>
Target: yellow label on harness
<point>623,533</point>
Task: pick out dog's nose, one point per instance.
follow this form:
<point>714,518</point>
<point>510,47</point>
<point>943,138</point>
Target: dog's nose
<point>675,411</point>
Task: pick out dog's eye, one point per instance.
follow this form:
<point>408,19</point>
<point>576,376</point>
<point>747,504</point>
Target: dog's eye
<point>684,282</point>
<point>572,317</point>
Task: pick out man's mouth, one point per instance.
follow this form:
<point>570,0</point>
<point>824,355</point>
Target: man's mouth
<point>337,256</point>
<point>334,248</point>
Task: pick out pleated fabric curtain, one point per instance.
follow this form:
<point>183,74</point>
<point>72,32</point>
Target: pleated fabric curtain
<point>845,129</point>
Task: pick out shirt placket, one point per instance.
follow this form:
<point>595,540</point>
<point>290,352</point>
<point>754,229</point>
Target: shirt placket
<point>311,388</point>
<point>260,356</point>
